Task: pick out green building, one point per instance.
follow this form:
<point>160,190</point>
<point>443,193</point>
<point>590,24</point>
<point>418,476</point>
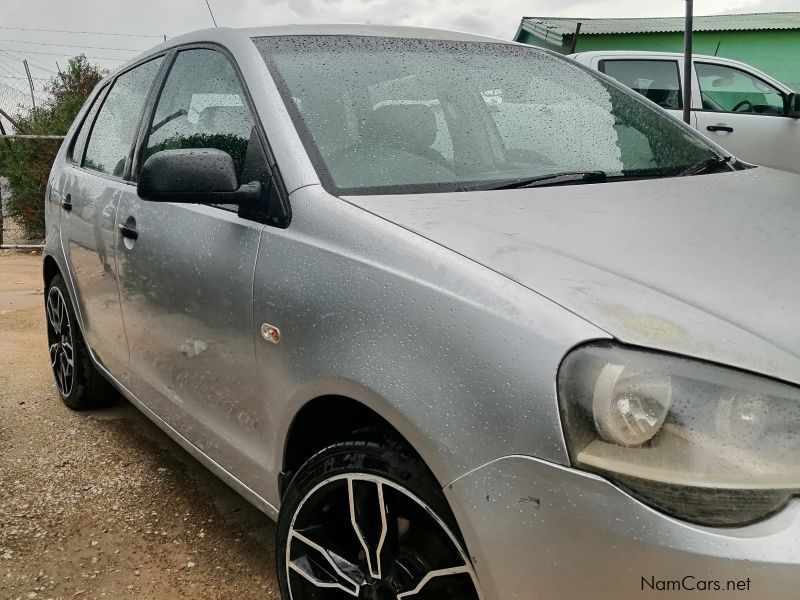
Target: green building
<point>768,41</point>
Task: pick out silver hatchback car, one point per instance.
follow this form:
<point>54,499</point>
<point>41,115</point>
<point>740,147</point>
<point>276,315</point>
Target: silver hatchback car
<point>468,319</point>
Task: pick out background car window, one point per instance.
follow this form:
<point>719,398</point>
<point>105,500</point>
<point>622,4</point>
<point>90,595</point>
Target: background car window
<point>115,127</point>
<point>202,105</point>
<point>656,80</point>
<point>536,119</point>
<point>727,89</point>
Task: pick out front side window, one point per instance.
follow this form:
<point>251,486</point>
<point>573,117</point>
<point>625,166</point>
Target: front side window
<point>727,89</point>
<point>656,80</point>
<point>396,115</point>
<point>202,105</point>
<point>111,138</point>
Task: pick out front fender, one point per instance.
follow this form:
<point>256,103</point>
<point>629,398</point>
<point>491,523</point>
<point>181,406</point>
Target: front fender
<point>459,359</point>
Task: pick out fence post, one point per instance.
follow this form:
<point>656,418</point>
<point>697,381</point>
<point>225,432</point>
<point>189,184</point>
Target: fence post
<point>1,214</point>
<point>12,121</point>
<point>8,144</point>
<point>30,82</point>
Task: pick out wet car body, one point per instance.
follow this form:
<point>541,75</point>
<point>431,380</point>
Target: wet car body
<point>449,315</point>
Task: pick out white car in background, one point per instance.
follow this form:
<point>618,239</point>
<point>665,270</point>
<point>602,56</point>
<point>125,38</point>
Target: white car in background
<point>747,112</point>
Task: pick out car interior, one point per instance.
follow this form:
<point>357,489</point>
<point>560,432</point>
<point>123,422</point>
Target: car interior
<point>413,128</point>
<point>726,89</point>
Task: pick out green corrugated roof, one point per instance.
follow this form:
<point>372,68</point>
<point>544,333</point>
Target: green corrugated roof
<point>541,26</point>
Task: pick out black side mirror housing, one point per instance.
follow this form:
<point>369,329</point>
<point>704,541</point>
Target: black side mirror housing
<point>793,106</point>
<point>196,176</point>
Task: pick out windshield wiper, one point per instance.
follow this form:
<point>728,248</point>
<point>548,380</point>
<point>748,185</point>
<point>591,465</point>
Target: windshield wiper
<point>706,165</point>
<point>566,177</point>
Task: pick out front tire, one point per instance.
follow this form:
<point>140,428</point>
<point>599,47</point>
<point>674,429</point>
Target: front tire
<point>79,383</point>
<point>367,520</point>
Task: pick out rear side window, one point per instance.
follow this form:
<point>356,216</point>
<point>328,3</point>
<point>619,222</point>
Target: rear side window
<point>114,129</point>
<point>79,145</point>
<point>656,80</point>
<point>202,105</point>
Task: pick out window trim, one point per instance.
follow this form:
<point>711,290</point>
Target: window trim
<point>740,70</point>
<point>601,66</point>
<point>108,87</point>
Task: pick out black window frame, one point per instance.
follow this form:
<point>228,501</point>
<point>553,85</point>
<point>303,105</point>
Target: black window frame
<point>107,88</point>
<point>740,70</point>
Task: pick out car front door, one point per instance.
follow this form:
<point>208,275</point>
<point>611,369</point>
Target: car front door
<point>745,115</point>
<point>94,182</point>
<point>186,270</point>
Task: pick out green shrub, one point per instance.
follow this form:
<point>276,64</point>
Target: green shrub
<point>25,164</point>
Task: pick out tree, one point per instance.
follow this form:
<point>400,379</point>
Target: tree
<point>26,163</point>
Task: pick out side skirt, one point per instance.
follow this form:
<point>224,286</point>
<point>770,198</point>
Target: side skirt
<point>225,475</point>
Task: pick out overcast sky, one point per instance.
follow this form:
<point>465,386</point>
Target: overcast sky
<point>172,17</point>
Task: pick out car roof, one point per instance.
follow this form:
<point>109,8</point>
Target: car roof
<point>370,30</point>
<point>232,36</point>
<point>225,35</point>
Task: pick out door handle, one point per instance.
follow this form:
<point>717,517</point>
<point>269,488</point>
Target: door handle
<point>128,231</point>
<point>720,128</point>
<point>66,203</point>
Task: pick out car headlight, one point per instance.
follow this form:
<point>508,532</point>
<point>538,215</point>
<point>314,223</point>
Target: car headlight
<point>701,442</point>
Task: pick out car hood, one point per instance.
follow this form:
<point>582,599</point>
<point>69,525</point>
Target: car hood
<point>704,266</point>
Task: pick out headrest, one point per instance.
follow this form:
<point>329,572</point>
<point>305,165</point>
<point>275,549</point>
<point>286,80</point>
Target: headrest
<point>658,92</point>
<point>404,125</point>
<point>226,119</point>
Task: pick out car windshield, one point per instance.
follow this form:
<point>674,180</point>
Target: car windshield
<point>382,115</point>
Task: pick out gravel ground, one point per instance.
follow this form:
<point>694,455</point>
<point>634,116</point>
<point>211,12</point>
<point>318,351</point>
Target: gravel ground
<point>102,504</point>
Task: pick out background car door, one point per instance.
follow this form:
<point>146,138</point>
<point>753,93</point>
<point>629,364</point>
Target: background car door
<point>744,114</point>
<point>186,280</point>
<point>91,192</point>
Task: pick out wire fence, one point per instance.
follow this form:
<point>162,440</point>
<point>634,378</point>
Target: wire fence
<point>29,72</point>
<point>25,162</point>
<point>15,92</point>
<point>20,201</point>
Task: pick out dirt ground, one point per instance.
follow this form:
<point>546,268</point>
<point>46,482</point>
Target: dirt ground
<point>102,504</point>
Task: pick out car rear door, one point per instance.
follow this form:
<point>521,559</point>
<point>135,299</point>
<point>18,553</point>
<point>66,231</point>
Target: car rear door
<point>744,114</point>
<point>94,182</point>
<point>186,271</point>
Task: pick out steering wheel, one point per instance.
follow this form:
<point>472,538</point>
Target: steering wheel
<point>741,104</point>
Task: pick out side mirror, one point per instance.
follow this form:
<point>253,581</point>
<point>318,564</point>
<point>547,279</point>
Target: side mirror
<point>196,176</point>
<point>793,106</point>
